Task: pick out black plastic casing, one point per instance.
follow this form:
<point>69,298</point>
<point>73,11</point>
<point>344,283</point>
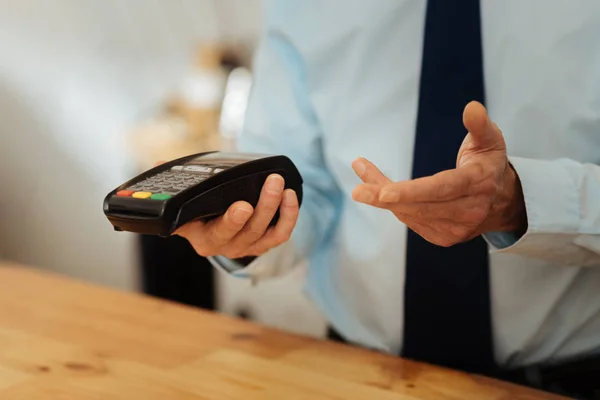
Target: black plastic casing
<point>204,201</point>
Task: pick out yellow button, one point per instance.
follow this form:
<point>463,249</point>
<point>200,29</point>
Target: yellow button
<point>141,195</point>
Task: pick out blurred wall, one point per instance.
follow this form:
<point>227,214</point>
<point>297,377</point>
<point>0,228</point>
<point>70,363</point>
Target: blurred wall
<point>75,75</point>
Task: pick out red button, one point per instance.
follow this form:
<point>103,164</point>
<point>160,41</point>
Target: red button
<point>125,193</point>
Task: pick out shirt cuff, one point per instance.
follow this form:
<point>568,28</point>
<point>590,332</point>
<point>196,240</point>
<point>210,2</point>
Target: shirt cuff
<point>274,263</point>
<point>552,209</point>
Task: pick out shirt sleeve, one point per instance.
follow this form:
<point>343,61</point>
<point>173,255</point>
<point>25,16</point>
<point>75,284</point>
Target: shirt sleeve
<point>280,120</point>
<point>562,200</point>
<point>276,262</point>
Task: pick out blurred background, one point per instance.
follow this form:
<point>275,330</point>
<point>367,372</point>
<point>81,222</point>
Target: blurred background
<point>94,92</point>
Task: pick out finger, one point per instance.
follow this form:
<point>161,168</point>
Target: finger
<point>207,238</point>
<point>267,206</point>
<point>281,232</point>
<point>186,231</point>
<point>223,229</point>
<point>483,131</point>
<point>445,225</point>
<point>465,210</point>
<point>368,193</point>
<point>159,162</point>
<point>447,233</point>
<point>443,186</point>
<point>434,221</point>
<point>368,172</point>
<point>424,231</point>
<point>434,236</point>
<point>424,225</point>
<point>443,232</point>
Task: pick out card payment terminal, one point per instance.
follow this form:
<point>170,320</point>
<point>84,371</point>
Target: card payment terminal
<point>200,186</point>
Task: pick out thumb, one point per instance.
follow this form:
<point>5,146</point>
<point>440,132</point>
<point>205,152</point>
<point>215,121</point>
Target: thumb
<point>484,133</point>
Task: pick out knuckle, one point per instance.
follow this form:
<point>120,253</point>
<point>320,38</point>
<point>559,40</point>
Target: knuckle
<point>291,210</point>
<point>282,236</point>
<point>461,232</point>
<point>488,186</point>
<point>457,230</point>
<point>476,174</point>
<point>253,234</point>
<point>269,207</point>
<point>442,190</point>
<point>269,198</point>
<point>479,171</point>
<point>476,214</point>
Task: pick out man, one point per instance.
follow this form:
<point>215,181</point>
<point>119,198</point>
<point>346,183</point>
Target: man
<point>491,264</point>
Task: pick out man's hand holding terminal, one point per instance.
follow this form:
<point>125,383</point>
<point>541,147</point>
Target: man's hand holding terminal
<point>243,230</point>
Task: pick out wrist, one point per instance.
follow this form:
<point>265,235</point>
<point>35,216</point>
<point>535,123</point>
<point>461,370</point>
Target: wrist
<point>510,210</point>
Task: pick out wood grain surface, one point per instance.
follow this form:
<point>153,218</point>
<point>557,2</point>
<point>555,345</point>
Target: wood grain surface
<point>64,339</point>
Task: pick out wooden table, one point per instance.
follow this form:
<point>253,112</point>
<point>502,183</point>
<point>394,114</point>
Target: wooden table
<point>63,339</point>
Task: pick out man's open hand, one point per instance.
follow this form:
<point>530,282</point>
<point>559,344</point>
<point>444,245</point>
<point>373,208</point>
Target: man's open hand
<point>482,194</point>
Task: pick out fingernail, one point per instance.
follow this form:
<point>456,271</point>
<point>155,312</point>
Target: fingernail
<point>359,167</point>
<point>388,196</point>
<point>275,184</point>
<point>241,215</point>
<point>364,196</point>
<point>289,197</point>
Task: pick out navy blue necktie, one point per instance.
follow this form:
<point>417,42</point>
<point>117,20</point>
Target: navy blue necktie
<point>447,302</point>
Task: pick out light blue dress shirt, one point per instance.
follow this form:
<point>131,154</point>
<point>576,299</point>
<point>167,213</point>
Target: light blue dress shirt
<point>337,81</point>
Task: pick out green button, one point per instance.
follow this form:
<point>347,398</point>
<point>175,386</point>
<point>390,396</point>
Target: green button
<point>160,196</point>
